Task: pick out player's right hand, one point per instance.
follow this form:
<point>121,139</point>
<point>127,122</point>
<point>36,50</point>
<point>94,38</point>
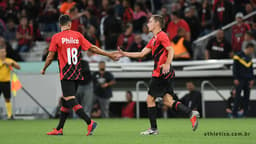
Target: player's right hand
<point>120,51</point>
<point>236,82</point>
<point>115,56</point>
<point>42,72</point>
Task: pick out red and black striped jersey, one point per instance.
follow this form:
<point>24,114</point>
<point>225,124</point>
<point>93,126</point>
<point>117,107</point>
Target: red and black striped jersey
<point>158,45</point>
<point>68,44</point>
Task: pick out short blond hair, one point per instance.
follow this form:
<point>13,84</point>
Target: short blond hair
<point>160,19</point>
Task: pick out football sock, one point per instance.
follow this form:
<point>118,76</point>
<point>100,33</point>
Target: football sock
<point>152,114</point>
<point>63,116</point>
<point>8,106</point>
<point>79,110</point>
<point>178,106</point>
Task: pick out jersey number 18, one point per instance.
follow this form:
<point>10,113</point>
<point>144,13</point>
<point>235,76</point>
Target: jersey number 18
<point>72,56</point>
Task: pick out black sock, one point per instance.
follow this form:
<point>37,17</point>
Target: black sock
<point>178,106</point>
<point>64,112</point>
<point>63,117</point>
<point>152,114</point>
<point>80,112</point>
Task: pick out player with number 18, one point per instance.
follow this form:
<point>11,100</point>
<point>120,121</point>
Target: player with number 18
<point>69,44</point>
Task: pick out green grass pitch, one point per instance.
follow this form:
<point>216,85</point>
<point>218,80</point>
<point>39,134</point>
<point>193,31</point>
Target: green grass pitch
<point>126,131</point>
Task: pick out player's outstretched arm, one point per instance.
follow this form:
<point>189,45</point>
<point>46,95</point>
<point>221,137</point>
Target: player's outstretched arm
<point>16,65</point>
<point>141,54</point>
<point>12,64</point>
<point>113,55</point>
<point>48,61</point>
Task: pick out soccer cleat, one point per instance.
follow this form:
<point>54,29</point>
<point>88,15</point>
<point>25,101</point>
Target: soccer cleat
<point>55,132</point>
<point>91,128</point>
<point>11,118</point>
<point>150,132</point>
<point>194,119</point>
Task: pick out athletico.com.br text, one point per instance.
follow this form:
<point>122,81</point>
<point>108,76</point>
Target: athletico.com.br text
<point>214,133</point>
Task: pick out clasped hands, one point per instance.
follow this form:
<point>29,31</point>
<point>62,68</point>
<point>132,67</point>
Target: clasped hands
<point>116,55</point>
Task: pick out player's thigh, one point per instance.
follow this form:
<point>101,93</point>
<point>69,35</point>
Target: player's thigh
<point>69,88</point>
<point>151,101</point>
<point>157,87</point>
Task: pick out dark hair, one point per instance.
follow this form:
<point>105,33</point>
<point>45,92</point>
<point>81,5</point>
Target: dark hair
<point>10,20</point>
<point>159,18</point>
<point>140,5</point>
<point>102,62</point>
<point>145,25</point>
<point>64,19</point>
<point>111,11</point>
<point>249,45</point>
<point>90,11</point>
<point>164,7</point>
<point>177,14</point>
<point>23,17</point>
<point>190,82</point>
<point>128,25</point>
<point>129,92</point>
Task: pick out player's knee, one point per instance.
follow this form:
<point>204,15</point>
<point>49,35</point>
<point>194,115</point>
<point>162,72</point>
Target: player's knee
<point>77,107</point>
<point>150,101</point>
<point>67,98</point>
<point>64,103</point>
<point>167,103</point>
<point>171,102</point>
<point>72,103</point>
<point>64,109</point>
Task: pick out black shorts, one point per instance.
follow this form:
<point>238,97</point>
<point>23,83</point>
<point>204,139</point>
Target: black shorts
<point>69,87</point>
<point>158,87</point>
<point>5,88</point>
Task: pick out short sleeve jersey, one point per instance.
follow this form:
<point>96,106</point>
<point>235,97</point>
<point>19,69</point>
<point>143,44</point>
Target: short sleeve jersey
<point>5,71</point>
<point>68,44</point>
<point>158,45</point>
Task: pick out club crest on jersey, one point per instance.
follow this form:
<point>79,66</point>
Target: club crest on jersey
<point>70,40</point>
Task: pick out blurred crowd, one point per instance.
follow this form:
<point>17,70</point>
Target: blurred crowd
<point>112,23</point>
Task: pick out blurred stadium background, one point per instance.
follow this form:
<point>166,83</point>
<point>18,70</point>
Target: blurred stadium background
<point>112,23</point>
<point>121,22</point>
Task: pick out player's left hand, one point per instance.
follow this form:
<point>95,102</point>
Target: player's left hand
<point>115,56</point>
<point>104,85</point>
<point>120,51</point>
<point>165,68</point>
<point>251,83</point>
<point>42,72</point>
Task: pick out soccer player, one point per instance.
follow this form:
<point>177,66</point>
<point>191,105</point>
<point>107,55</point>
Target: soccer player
<point>162,76</point>
<point>68,44</point>
<point>6,65</point>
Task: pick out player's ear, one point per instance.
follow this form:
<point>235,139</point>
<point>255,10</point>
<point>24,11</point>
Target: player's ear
<point>69,24</point>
